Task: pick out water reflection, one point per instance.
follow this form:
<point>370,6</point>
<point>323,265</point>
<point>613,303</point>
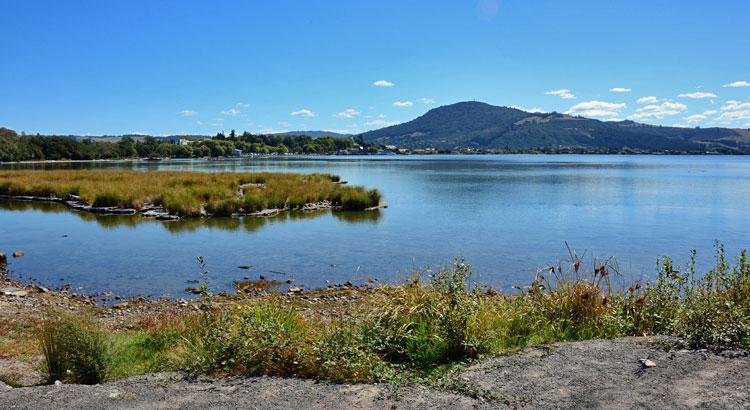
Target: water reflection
<point>232,224</point>
<point>371,217</point>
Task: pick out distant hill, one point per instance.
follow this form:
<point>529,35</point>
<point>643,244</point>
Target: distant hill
<point>315,134</point>
<point>479,125</point>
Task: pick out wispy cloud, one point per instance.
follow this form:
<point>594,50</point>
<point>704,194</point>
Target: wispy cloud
<point>734,110</point>
<point>188,113</point>
<point>383,83</point>
<point>695,119</point>
<point>427,101</point>
<point>534,110</point>
<point>659,111</point>
<point>738,84</point>
<point>596,109</point>
<point>620,90</point>
<point>648,100</point>
<point>733,105</point>
<point>304,112</point>
<point>233,112</point>
<point>242,105</point>
<point>698,95</point>
<point>381,123</point>
<point>348,113</point>
<point>735,115</point>
<point>563,93</point>
<point>403,104</point>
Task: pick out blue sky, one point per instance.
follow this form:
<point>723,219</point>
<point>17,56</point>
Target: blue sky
<point>165,67</point>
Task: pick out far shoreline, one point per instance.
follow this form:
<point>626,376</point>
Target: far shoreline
<point>391,155</point>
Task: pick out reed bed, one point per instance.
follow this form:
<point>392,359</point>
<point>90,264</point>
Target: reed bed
<point>189,193</point>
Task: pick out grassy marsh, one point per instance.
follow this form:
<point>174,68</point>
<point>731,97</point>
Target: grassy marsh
<point>189,193</point>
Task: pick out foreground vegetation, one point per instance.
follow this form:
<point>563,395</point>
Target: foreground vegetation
<point>413,331</point>
<point>189,193</point>
<point>14,147</point>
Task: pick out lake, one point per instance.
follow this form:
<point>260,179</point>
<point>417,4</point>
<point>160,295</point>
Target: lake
<point>508,215</point>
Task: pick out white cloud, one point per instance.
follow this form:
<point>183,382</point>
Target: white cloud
<point>615,119</point>
<point>648,100</point>
<point>381,123</point>
<point>427,101</point>
<point>620,90</point>
<point>563,93</point>
<point>348,113</point>
<point>383,83</point>
<point>659,111</point>
<point>232,111</point>
<point>304,112</point>
<point>188,113</point>
<point>596,109</point>
<point>738,84</point>
<point>403,104</point>
<point>698,95</point>
<point>694,119</point>
<point>210,124</point>
<point>242,105</point>
<point>709,112</point>
<point>534,110</point>
<point>734,110</point>
<point>733,105</point>
<point>735,115</point>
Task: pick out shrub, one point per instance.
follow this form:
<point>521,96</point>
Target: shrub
<point>425,325</point>
<point>712,311</point>
<point>346,351</point>
<point>264,338</point>
<point>75,349</point>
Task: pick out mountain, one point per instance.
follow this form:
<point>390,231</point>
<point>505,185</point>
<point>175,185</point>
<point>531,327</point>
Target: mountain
<point>479,125</point>
<point>315,134</point>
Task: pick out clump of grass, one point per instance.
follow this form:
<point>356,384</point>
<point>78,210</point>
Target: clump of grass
<point>75,349</point>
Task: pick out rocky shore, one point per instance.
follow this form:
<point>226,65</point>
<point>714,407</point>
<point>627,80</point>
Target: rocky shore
<point>23,306</point>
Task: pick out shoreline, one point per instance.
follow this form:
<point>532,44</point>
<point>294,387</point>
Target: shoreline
<point>392,154</point>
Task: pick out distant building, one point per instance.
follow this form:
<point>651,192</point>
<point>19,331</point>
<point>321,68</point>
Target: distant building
<point>177,140</point>
<point>236,152</point>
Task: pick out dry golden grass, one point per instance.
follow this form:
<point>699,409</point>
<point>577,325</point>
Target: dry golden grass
<point>189,193</point>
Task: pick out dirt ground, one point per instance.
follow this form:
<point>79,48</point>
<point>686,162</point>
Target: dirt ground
<point>591,374</point>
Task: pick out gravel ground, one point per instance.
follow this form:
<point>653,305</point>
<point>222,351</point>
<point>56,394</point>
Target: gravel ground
<point>165,391</point>
<point>610,374</point>
<point>592,374</point>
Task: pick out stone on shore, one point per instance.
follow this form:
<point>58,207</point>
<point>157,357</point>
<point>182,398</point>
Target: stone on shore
<point>12,291</point>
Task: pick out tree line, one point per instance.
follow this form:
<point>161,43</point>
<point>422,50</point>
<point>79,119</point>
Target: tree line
<point>14,147</point>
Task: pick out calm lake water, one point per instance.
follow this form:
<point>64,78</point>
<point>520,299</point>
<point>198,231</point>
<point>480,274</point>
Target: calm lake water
<point>507,215</point>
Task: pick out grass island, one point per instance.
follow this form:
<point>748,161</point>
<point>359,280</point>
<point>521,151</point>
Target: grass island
<point>175,194</point>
